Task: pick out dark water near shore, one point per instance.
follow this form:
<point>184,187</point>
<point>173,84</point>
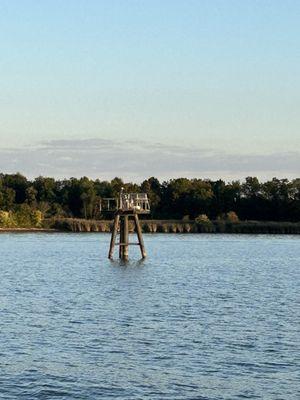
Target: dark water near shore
<point>204,317</point>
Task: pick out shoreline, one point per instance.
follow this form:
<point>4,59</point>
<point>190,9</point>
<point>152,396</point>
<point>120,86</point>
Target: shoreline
<point>179,226</point>
<point>74,225</point>
<point>28,230</point>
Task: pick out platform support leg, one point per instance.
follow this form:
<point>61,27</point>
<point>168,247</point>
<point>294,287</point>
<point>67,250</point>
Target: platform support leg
<point>113,236</point>
<point>124,236</point>
<point>140,236</point>
<point>121,238</point>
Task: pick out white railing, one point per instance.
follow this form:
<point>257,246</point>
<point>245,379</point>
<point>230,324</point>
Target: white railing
<point>135,202</point>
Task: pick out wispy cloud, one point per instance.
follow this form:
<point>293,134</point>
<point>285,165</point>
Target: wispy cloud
<point>136,160</point>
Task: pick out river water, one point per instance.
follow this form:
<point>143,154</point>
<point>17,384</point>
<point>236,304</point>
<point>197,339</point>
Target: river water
<point>203,317</point>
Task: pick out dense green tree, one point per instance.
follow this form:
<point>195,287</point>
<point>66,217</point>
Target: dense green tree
<point>276,199</point>
<point>88,197</point>
<point>31,194</point>
<point>116,186</point>
<point>153,189</point>
<point>46,188</point>
<point>18,183</point>
<point>9,198</point>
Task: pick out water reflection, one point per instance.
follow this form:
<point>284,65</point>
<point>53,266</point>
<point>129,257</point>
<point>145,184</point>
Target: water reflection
<point>128,263</point>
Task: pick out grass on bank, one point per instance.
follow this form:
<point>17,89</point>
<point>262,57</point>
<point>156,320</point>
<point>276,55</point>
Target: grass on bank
<point>25,217</point>
<point>179,226</point>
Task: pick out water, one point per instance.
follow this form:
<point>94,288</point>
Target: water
<point>204,317</point>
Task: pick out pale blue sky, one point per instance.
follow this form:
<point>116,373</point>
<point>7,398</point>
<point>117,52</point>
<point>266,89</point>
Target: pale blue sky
<point>218,76</point>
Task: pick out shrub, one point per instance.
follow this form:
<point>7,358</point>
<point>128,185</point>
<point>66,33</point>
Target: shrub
<point>204,224</point>
<point>231,216</point>
<point>4,219</point>
<point>36,218</point>
<point>202,219</point>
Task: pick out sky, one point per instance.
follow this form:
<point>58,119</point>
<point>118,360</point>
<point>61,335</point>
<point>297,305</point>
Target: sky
<point>206,89</point>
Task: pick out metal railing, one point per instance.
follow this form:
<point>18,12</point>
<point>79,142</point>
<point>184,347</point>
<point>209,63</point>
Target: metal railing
<point>135,202</point>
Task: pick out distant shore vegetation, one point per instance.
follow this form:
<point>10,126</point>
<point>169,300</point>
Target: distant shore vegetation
<point>194,202</point>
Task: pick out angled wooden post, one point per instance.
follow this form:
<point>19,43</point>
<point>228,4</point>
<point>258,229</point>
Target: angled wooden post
<point>113,236</point>
<point>140,236</point>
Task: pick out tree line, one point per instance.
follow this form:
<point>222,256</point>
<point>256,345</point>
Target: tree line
<point>273,200</point>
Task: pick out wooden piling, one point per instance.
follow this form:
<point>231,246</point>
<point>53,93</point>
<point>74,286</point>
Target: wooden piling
<point>125,238</point>
<point>121,237</point>
<point>140,236</point>
<point>113,236</point>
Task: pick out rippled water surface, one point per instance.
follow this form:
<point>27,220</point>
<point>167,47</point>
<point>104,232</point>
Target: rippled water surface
<point>204,317</point>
